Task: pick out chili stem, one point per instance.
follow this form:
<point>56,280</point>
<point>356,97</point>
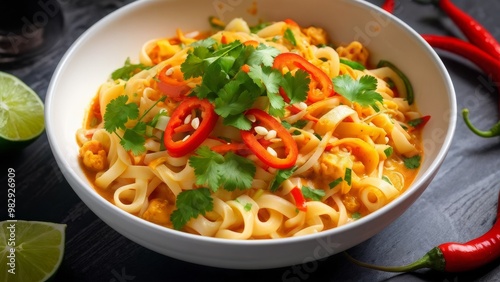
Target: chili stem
<point>494,131</point>
<point>432,259</point>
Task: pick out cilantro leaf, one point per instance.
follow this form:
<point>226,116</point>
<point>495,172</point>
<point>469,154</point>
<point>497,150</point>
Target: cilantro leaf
<point>214,79</point>
<point>229,171</point>
<point>206,43</point>
<point>388,152</point>
<point>206,164</point>
<point>361,91</point>
<point>127,71</point>
<point>190,204</point>
<point>239,121</point>
<point>231,49</point>
<point>118,112</point>
<point>263,55</point>
<point>238,172</point>
<point>412,162</point>
<point>277,104</point>
<point>281,176</point>
<point>290,37</point>
<point>195,64</point>
<point>199,58</point>
<point>266,76</point>
<point>313,194</point>
<point>270,79</point>
<point>133,141</point>
<point>296,86</point>
<point>231,101</point>
<point>235,96</point>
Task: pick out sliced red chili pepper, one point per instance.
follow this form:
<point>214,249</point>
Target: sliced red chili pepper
<point>173,88</point>
<point>269,122</point>
<point>238,148</point>
<point>179,145</point>
<point>300,201</point>
<point>320,87</point>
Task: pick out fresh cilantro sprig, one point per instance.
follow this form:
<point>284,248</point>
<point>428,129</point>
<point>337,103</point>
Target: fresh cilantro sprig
<point>118,113</point>
<point>296,86</point>
<point>190,204</point>
<point>127,71</point>
<point>234,90</point>
<point>361,91</point>
<point>213,171</point>
<point>228,171</point>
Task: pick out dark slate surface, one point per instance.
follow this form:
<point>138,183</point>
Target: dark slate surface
<point>459,205</point>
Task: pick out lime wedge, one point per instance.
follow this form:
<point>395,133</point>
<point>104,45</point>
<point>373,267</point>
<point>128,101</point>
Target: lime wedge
<point>21,113</point>
<point>30,250</point>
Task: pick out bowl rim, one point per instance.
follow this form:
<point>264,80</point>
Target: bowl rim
<point>72,178</point>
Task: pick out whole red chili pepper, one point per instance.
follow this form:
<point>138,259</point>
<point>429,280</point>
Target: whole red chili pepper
<point>388,5</point>
<point>488,64</point>
<point>483,60</point>
<point>454,257</point>
<point>476,33</point>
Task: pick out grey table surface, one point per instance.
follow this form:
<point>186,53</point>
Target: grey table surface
<point>460,203</point>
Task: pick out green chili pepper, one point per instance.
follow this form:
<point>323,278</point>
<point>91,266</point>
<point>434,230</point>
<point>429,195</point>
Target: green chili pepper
<point>409,88</point>
<point>353,64</point>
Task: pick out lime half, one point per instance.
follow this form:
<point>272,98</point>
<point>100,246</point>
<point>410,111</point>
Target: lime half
<point>21,113</point>
<point>30,250</point>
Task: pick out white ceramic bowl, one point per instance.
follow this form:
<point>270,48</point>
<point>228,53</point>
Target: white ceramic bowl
<point>104,47</point>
